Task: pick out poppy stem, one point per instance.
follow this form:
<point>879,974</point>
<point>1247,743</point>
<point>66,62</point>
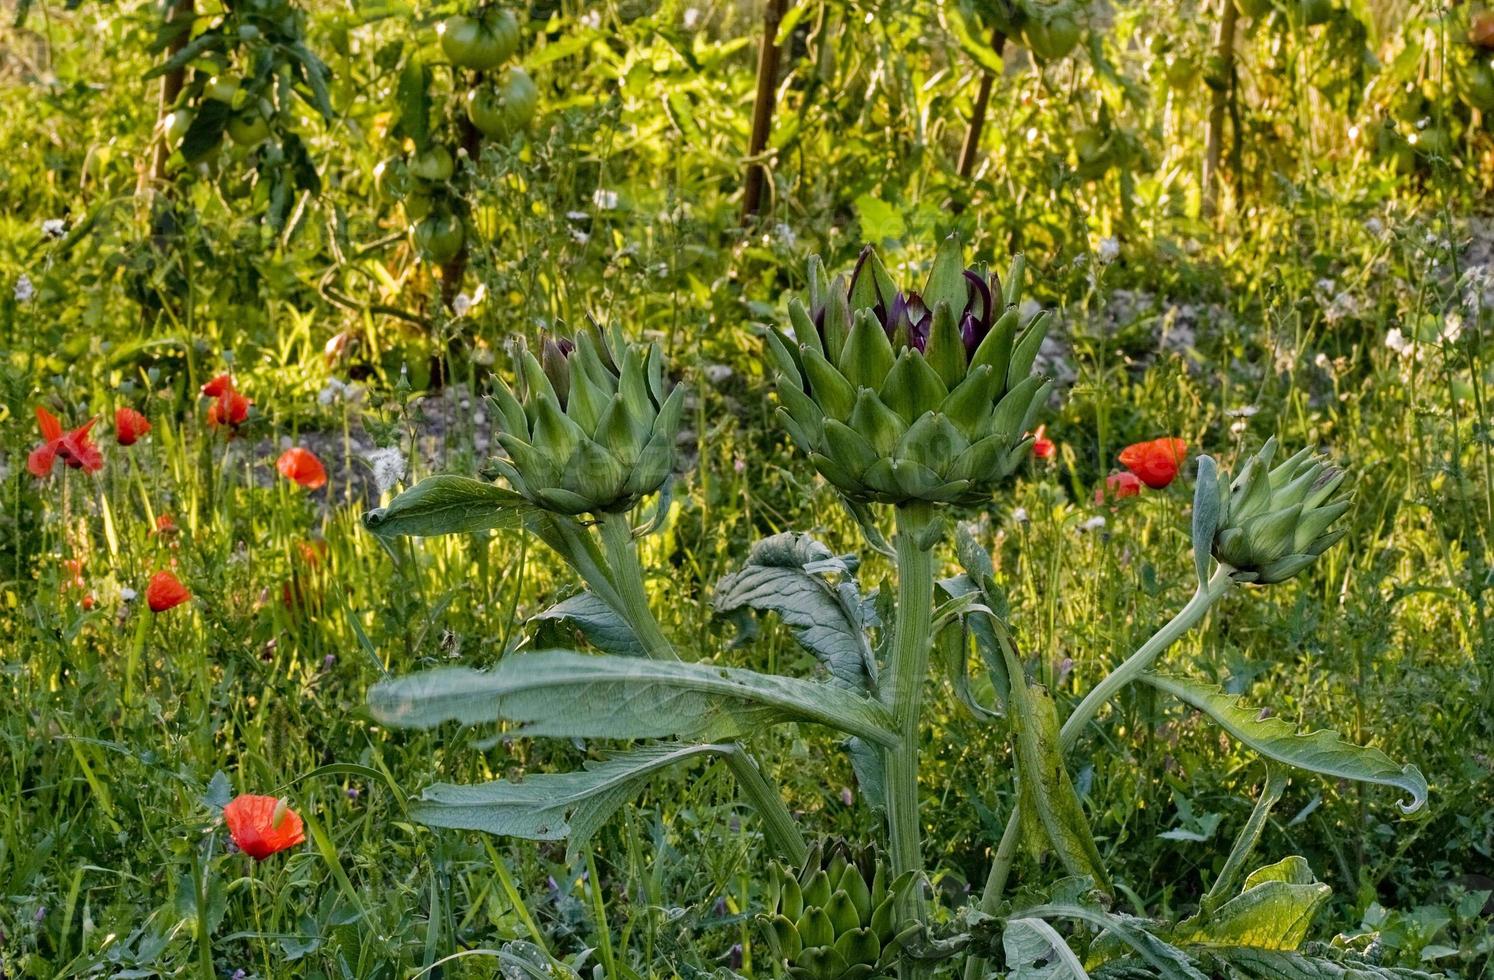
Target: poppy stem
<point>137,648</point>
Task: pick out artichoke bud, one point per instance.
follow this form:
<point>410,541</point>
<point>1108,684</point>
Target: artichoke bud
<point>915,381</point>
<point>1274,521</point>
<point>593,429</point>
<point>837,919</point>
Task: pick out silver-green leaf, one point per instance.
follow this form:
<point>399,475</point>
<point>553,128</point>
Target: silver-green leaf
<point>449,505</point>
<point>1206,505</point>
<point>1322,752</point>
<point>598,622</point>
<point>569,694</point>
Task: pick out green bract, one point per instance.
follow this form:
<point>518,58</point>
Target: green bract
<point>1275,522</point>
<point>901,397</point>
<point>829,923</point>
<point>594,430</point>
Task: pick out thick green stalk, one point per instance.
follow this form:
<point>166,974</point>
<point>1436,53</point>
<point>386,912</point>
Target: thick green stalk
<point>912,641</point>
<point>1250,835</point>
<point>1188,617</point>
<point>778,824</point>
<point>626,575</point>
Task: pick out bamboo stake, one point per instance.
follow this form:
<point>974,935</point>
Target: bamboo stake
<point>762,109</point>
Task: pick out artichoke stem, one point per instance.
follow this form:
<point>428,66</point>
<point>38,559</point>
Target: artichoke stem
<point>910,661</point>
<point>779,829</point>
<point>627,576</point>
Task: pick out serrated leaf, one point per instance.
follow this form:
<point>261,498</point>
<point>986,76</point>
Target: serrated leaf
<point>1266,964</point>
<point>1035,951</point>
<point>1322,752</point>
<point>813,591</point>
<point>219,792</point>
<point>554,806</point>
<point>449,505</point>
<point>1274,910</point>
<point>1165,960</point>
<point>598,622</point>
<point>569,694</point>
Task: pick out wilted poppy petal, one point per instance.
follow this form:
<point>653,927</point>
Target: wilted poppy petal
<point>164,592</point>
<point>302,466</point>
<point>1118,486</point>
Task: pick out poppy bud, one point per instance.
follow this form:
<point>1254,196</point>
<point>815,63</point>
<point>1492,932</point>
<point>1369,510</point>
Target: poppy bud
<point>595,428</point>
<point>902,396</point>
<point>1274,522</point>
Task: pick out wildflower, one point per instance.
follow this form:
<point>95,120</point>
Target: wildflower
<point>74,448</point>
<point>128,594</point>
<point>262,825</point>
<point>1155,462</point>
<point>302,466</point>
<point>1108,251</point>
<point>604,199</point>
<point>691,18</point>
<point>54,228</point>
<point>1042,446</point>
<point>166,525</point>
<point>1398,342</point>
<point>164,592</point>
<point>387,465</point>
<point>1119,486</point>
<point>1095,523</point>
<point>24,290</point>
<point>1020,515</point>
<point>129,425</point>
<point>229,406</point>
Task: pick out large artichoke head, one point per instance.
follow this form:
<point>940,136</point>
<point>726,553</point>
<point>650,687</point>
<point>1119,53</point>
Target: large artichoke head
<point>900,397</point>
<point>837,920</point>
<point>1275,521</point>
<point>593,426</point>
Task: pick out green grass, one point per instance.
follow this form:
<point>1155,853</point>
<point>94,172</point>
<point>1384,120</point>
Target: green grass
<point>112,857</point>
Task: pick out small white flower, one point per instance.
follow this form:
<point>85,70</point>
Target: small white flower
<point>1322,362</point>
<point>578,215</point>
<point>604,199</point>
<point>387,466</point>
<point>785,235</point>
<point>54,228</point>
<point>1108,251</point>
<point>1243,412</point>
<point>1238,428</point>
<point>1452,328</point>
<point>1397,342</point>
<point>127,594</point>
<point>717,373</point>
<point>24,290</point>
<point>1019,515</point>
<point>1093,524</point>
<point>592,19</point>
<point>692,18</point>
<point>1324,286</point>
<point>1374,226</point>
<point>579,237</point>
<point>460,304</point>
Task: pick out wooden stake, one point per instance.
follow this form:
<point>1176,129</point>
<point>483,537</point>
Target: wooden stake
<point>978,112</point>
<point>1214,145</point>
<point>762,109</point>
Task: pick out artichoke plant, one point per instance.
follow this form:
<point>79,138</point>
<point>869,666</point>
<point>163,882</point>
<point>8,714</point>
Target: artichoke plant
<point>1273,523</point>
<point>595,427</point>
<point>900,397</point>
<point>829,923</point>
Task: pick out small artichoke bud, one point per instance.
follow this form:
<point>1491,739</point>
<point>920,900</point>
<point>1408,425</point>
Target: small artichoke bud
<point>593,431</point>
<point>838,919</point>
<point>899,397</point>
<point>1275,521</point>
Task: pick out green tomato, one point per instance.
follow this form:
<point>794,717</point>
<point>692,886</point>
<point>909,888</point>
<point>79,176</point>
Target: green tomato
<point>499,111</point>
<point>438,237</point>
<point>391,180</point>
<point>1180,71</point>
<point>1096,151</point>
<point>434,164</point>
<point>249,128</point>
<point>1052,35</point>
<point>1433,141</point>
<point>481,42</point>
<point>222,88</point>
<point>176,124</point>
<point>417,204</point>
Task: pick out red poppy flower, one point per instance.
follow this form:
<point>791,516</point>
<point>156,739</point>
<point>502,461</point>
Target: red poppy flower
<point>1156,462</point>
<point>262,825</point>
<point>129,425</point>
<point>165,591</point>
<point>1118,486</point>
<point>230,408</point>
<point>1042,446</point>
<point>302,466</point>
<point>219,386</point>
<point>75,448</point>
